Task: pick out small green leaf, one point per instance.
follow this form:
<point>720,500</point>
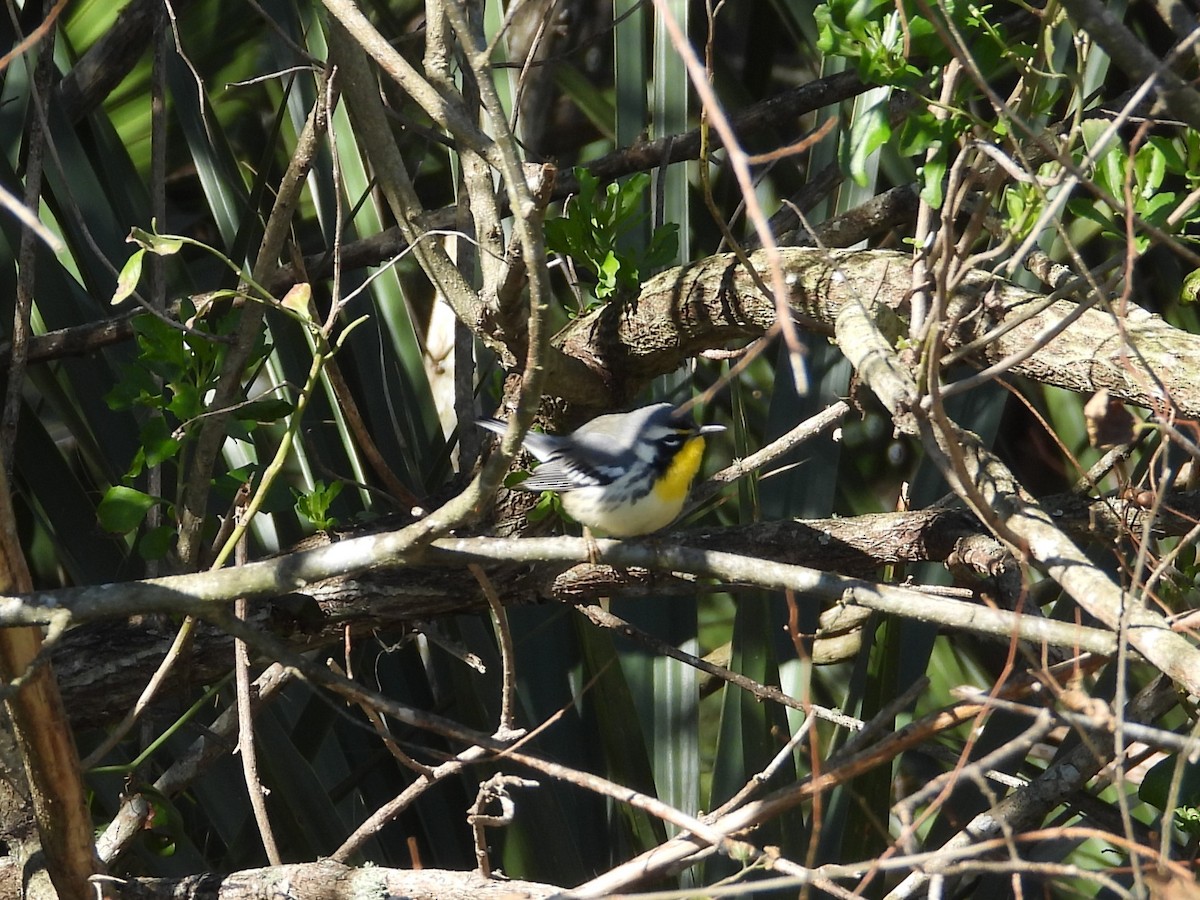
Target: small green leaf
<point>869,132</point>
<point>314,505</point>
<point>1110,171</point>
<point>918,133</point>
<point>156,543</point>
<point>628,197</point>
<point>127,281</point>
<point>933,177</point>
<point>512,479</point>
<point>160,244</point>
<point>162,346</point>
<point>548,505</point>
<point>1156,208</point>
<point>298,299</point>
<point>137,465</point>
<point>137,387</point>
<point>186,402</point>
<point>607,273</point>
<point>123,509</point>
<point>592,228</point>
<point>158,445</point>
<point>1156,786</point>
<point>227,484</point>
<point>1088,209</point>
<point>1171,154</point>
<point>1191,287</point>
<point>1150,165</point>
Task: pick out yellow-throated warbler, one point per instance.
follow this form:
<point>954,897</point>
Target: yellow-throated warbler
<point>624,474</point>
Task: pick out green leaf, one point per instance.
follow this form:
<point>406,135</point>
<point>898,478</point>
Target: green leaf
<point>1171,154</point>
<point>186,403</point>
<point>315,504</point>
<point>933,178</point>
<point>123,509</point>
<point>160,343</point>
<point>608,272</point>
<point>594,231</point>
<point>870,131</point>
<point>628,197</point>
<point>1151,167</point>
<point>918,133</point>
<point>162,245</point>
<point>127,281</point>
<point>299,300</point>
<point>549,506</point>
<point>512,479</point>
<point>158,444</point>
<point>1110,171</point>
<point>1156,208</point>
<point>1156,787</point>
<point>156,543</point>
<point>1087,209</point>
<point>1191,287</point>
<point>137,387</point>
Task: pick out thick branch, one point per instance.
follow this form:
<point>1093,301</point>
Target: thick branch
<point>328,880</point>
<point>102,665</point>
<point>713,303</point>
<point>311,569</point>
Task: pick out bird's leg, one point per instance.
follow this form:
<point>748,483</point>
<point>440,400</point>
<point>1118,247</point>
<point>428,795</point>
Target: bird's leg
<point>593,549</point>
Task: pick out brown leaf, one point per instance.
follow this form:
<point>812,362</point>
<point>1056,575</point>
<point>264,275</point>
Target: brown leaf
<point>1109,423</point>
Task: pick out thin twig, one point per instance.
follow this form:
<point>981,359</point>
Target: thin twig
<point>838,770</point>
<point>254,786</point>
<point>494,790</point>
<point>371,826</point>
<point>506,728</point>
<point>740,162</point>
<point>37,140</point>
<point>781,446</point>
<point>217,739</point>
<point>605,619</point>
<point>381,729</point>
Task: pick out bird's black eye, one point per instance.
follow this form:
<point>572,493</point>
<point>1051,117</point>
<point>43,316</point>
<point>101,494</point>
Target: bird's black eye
<point>674,439</point>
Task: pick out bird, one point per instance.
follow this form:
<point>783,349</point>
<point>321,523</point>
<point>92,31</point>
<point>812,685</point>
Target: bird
<point>624,474</point>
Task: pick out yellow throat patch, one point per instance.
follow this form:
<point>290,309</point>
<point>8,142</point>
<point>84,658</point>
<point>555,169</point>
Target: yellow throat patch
<point>674,485</point>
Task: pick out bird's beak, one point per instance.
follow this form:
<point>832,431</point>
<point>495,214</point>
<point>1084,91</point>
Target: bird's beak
<point>710,429</point>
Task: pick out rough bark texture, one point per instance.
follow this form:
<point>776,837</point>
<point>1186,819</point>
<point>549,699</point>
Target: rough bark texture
<point>43,741</point>
<point>715,303</point>
<point>327,880</point>
<point>103,666</point>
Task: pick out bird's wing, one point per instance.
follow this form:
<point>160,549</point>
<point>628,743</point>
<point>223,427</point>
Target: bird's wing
<point>565,465</point>
<point>569,473</point>
<point>542,446</point>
